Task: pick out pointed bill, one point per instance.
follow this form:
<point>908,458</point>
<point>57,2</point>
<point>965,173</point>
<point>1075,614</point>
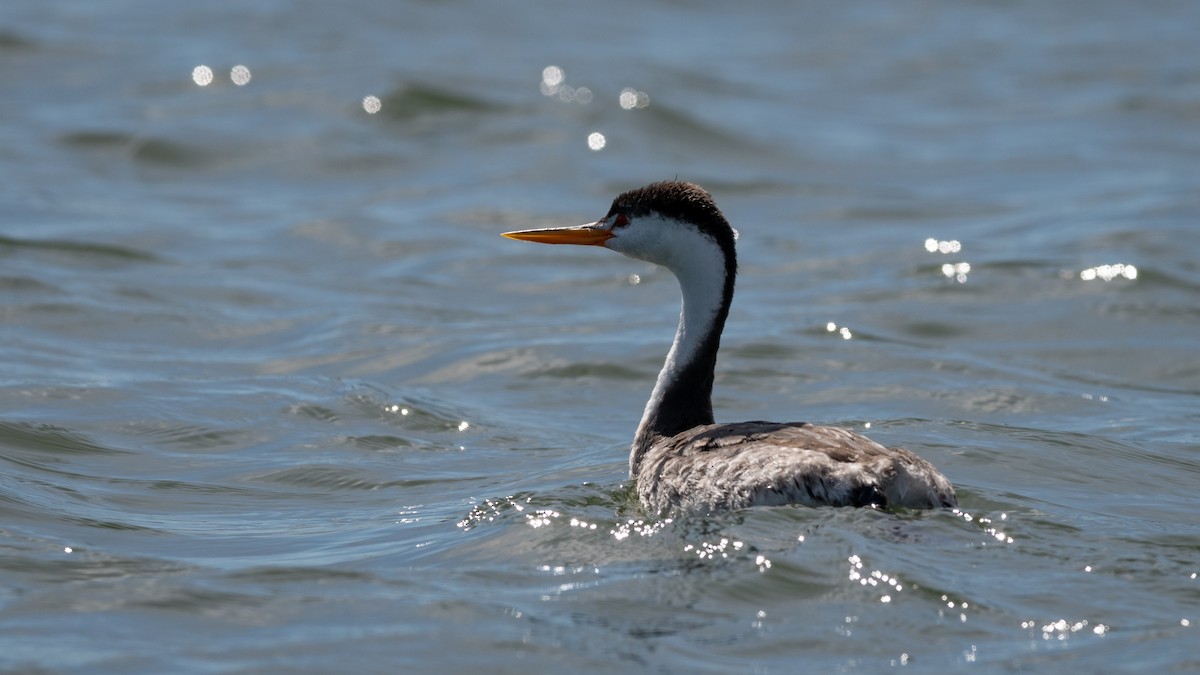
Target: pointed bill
<point>592,234</point>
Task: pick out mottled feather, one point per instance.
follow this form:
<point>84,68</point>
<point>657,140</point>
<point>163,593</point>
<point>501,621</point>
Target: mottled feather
<point>718,467</point>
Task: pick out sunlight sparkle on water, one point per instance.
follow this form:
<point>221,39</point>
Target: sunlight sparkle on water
<point>596,141</point>
<point>541,518</point>
<point>722,549</point>
<point>707,551</point>
<point>202,75</point>
<point>986,523</point>
<point>957,271</point>
<point>491,509</point>
<point>552,76</point>
<point>887,583</point>
<point>1062,629</point>
<point>372,104</point>
<point>950,604</point>
<point>554,85</point>
<point>942,246</point>
<point>1109,272</point>
<point>631,98</point>
<point>996,533</point>
<point>638,527</point>
<point>240,75</point>
<point>843,331</point>
<point>758,619</point>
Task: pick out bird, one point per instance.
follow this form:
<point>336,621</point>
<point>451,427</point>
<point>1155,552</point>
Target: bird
<point>680,460</point>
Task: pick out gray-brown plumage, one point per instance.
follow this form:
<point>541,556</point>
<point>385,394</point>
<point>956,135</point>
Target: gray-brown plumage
<point>680,459</point>
<point>716,467</point>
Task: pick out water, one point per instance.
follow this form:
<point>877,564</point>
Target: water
<point>276,397</point>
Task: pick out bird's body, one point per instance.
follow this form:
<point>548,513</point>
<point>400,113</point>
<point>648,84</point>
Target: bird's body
<point>716,467</point>
<point>680,459</point>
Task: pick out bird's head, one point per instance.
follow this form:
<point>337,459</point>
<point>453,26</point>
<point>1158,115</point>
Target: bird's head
<point>671,223</point>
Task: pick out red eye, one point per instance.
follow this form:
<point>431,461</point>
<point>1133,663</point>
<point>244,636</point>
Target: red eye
<point>621,220</point>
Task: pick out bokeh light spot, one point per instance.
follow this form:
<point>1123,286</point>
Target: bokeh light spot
<point>957,271</point>
<point>552,76</point>
<point>372,104</point>
<point>596,141</point>
<point>631,98</point>
<point>240,75</point>
<point>1109,272</point>
<point>554,85</point>
<point>943,246</point>
<point>843,331</point>
<point>202,75</point>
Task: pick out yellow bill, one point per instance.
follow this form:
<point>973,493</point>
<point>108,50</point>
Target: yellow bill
<point>592,234</point>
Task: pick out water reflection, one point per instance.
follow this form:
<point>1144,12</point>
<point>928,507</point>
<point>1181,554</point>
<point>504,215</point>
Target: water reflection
<point>708,551</point>
<point>843,331</point>
<point>240,75</point>
<point>552,77</point>
<point>642,528</point>
<point>554,85</point>
<point>956,271</point>
<point>1109,272</point>
<point>1063,629</point>
<point>596,141</point>
<point>202,75</point>
<point>942,246</point>
<point>886,583</point>
<point>631,98</point>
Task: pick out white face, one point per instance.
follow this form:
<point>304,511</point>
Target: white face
<point>662,241</point>
<point>694,258</point>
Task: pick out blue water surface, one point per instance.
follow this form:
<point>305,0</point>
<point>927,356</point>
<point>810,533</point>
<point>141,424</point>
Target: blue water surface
<point>275,397</point>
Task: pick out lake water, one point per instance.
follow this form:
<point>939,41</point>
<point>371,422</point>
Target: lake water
<point>275,397</point>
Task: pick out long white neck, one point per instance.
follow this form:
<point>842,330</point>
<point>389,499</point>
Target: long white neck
<point>682,396</point>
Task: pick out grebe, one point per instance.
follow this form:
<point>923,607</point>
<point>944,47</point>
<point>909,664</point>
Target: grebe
<point>682,461</point>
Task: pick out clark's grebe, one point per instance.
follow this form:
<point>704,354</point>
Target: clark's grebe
<point>680,459</point>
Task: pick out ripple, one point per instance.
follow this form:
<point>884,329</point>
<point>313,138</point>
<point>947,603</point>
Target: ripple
<point>86,565</point>
<point>50,440</point>
<point>601,370</point>
<point>380,442</point>
<point>163,152</point>
<point>338,478</point>
<point>145,150</point>
<point>78,250</point>
<point>10,41</point>
<point>27,285</point>
<point>409,413</point>
<point>189,436</point>
<point>419,100</point>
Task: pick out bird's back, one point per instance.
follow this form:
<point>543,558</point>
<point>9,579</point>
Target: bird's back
<point>729,466</point>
